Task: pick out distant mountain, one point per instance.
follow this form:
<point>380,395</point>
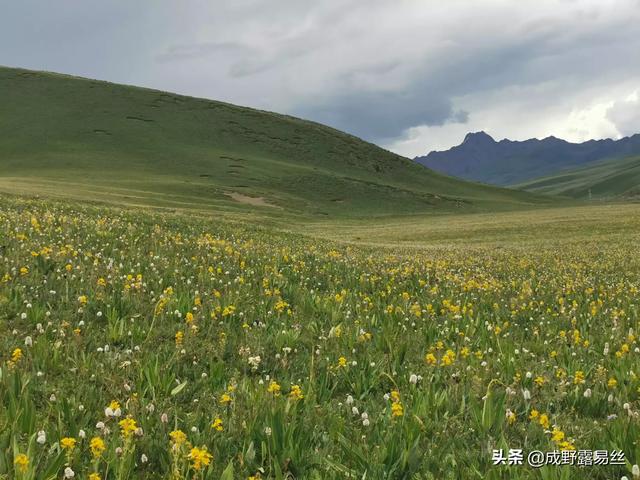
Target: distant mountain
<point>479,157</point>
<point>608,179</point>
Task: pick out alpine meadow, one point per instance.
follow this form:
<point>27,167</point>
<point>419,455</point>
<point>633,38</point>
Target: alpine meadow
<point>191,289</point>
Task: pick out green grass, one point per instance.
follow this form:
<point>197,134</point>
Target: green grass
<point>607,180</point>
<point>404,356</point>
<point>85,139</point>
<point>551,226</point>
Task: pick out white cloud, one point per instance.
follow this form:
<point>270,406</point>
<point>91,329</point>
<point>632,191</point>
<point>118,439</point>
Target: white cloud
<point>625,114</point>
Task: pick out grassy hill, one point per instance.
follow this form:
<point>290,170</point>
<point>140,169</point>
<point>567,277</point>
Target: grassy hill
<point>79,138</point>
<point>610,179</point>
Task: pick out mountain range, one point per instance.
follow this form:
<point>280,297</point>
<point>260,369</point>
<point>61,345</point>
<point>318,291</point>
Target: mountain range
<point>481,158</point>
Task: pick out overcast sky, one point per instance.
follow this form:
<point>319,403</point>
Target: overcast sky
<point>409,75</point>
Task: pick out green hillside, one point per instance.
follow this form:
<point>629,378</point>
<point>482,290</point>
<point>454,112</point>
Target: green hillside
<point>610,179</point>
<point>79,138</point>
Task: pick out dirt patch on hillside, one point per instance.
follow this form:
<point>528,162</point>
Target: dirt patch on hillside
<point>246,199</point>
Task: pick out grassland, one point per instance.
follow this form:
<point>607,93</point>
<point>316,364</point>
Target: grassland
<point>617,178</point>
<point>549,226</point>
<point>162,345</point>
<point>78,138</point>
<point>191,289</point>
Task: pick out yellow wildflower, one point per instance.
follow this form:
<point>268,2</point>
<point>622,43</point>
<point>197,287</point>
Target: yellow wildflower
<point>68,443</point>
<point>566,445</point>
<point>16,355</point>
<point>217,425</point>
<point>228,310</point>
<point>397,410</point>
<point>296,392</point>
<point>557,435</point>
<point>448,358</point>
<point>430,358</point>
<point>544,421</point>
<point>199,457</point>
<point>97,446</point>
<point>274,388</point>
<point>178,437</point>
<point>21,462</point>
<point>127,427</point>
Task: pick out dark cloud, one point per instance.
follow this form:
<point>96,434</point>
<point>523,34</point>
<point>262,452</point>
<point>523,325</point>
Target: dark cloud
<point>381,115</point>
<point>377,69</point>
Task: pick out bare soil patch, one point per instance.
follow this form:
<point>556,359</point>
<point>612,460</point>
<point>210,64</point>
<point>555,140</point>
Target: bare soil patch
<point>255,201</point>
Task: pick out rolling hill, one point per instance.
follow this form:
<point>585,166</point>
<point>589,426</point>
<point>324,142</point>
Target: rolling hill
<point>480,158</point>
<point>606,180</point>
<point>80,138</point>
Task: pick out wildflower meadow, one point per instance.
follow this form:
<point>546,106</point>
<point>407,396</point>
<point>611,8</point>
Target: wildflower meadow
<point>166,345</point>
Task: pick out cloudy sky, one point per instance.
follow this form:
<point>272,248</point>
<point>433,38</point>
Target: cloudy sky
<point>410,75</point>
